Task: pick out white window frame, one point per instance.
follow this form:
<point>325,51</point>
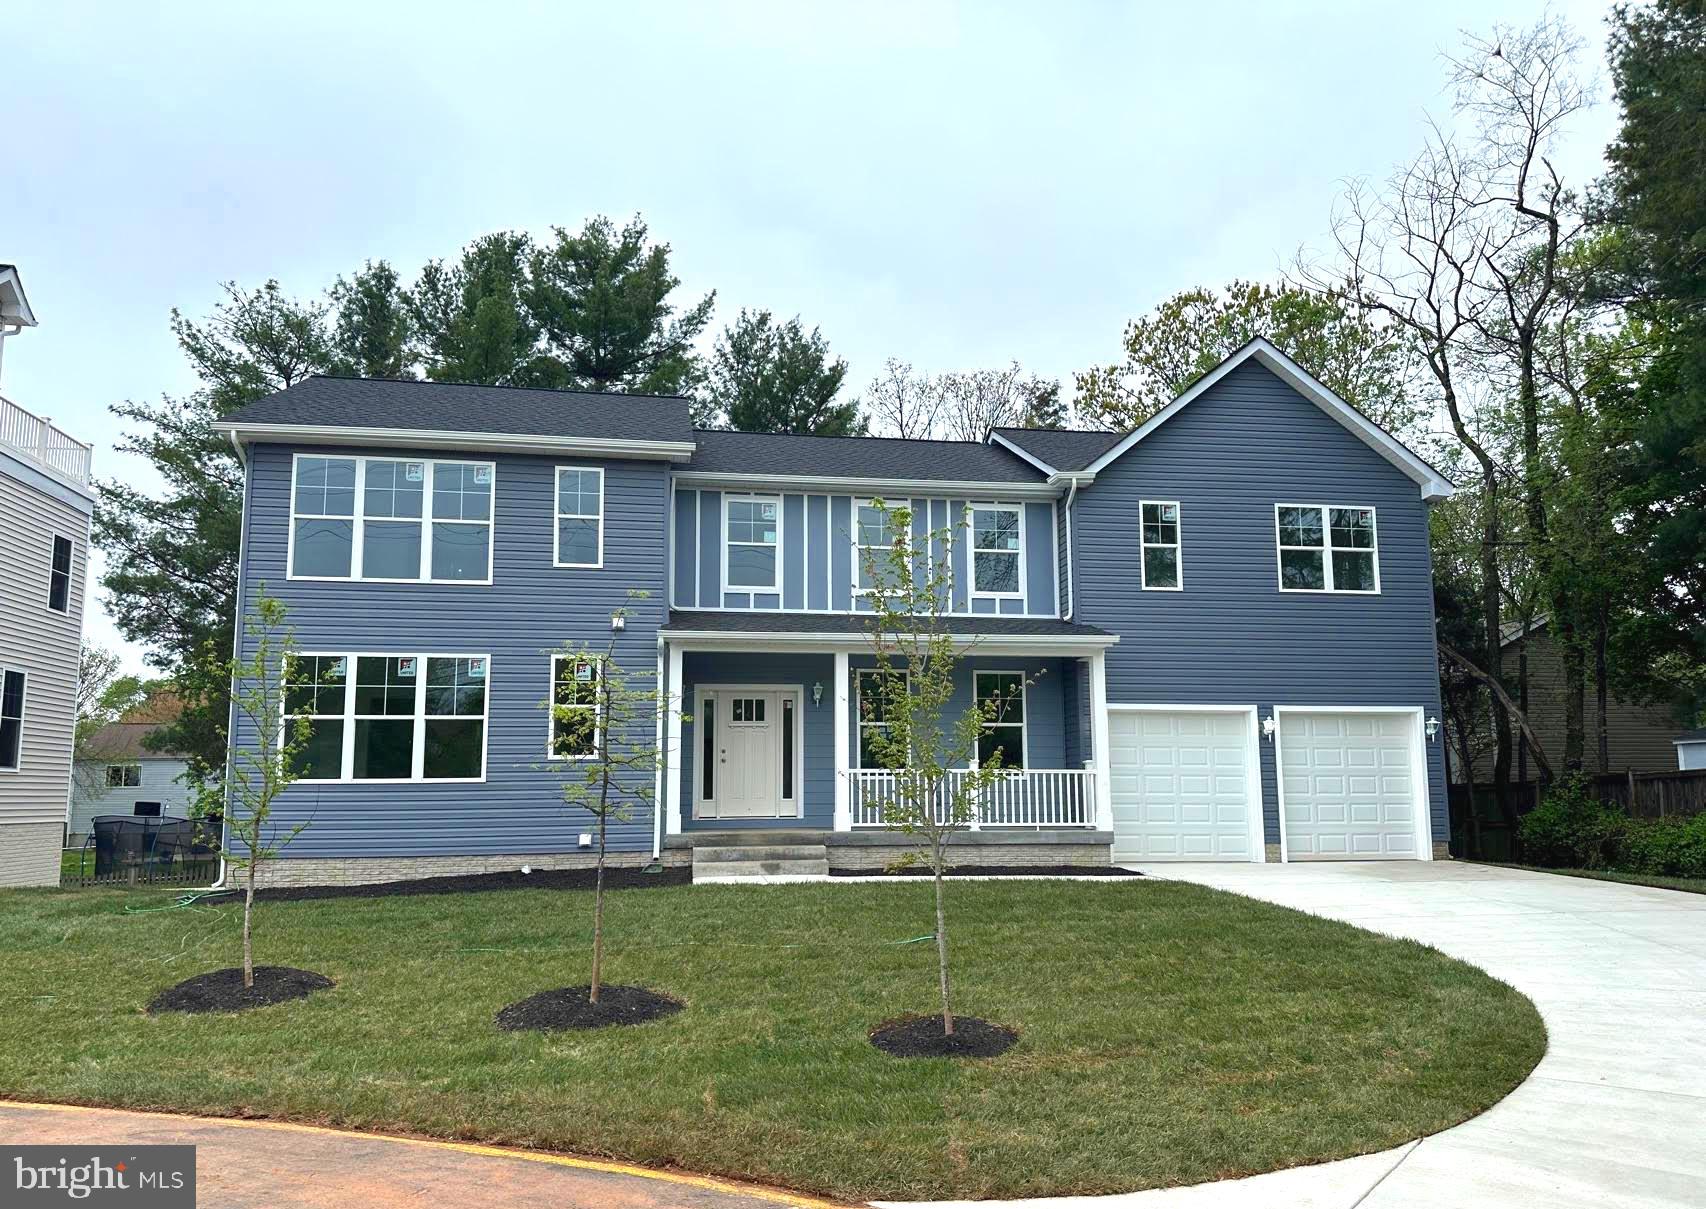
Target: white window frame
<point>972,549</point>
<point>1024,722</point>
<point>558,516</point>
<point>1326,549</point>
<point>1177,545</point>
<point>23,712</point>
<point>346,767</point>
<point>860,547</point>
<point>859,719</point>
<point>53,539</point>
<point>597,708</point>
<point>122,769</point>
<point>775,585</point>
<point>359,520</point>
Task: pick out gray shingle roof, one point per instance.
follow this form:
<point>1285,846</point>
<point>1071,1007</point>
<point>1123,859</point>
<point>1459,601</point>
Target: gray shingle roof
<point>1692,736</point>
<point>1064,449</point>
<point>775,622</point>
<point>859,458</point>
<point>452,407</point>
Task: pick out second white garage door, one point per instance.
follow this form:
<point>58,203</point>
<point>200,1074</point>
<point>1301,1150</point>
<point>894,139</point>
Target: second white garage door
<point>1182,785</point>
<point>1349,785</point>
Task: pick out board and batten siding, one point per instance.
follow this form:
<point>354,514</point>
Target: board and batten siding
<point>817,562</point>
<point>42,643</point>
<point>1231,636</point>
<point>528,610</point>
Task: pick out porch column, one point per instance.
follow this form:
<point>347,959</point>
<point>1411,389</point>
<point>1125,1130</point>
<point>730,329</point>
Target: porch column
<point>1099,740</point>
<point>843,716</point>
<point>672,744</point>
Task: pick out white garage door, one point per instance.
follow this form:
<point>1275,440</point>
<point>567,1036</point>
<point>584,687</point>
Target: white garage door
<point>1181,786</point>
<point>1349,785</point>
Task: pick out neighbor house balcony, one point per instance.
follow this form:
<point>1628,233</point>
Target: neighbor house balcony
<point>1019,799</point>
<point>37,440</point>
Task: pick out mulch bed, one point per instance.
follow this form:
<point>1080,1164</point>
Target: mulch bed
<point>922,1037</point>
<point>997,871</point>
<point>625,878</point>
<point>568,1008</point>
<point>223,990</point>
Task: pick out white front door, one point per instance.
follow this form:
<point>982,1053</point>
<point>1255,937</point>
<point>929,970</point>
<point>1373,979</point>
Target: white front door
<point>1350,785</point>
<point>748,749</point>
<point>1184,785</point>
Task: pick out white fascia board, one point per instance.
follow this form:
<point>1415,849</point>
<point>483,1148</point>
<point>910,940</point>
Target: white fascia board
<point>1012,447</point>
<point>1433,484</point>
<point>995,644</point>
<point>865,488</point>
<point>493,442</point>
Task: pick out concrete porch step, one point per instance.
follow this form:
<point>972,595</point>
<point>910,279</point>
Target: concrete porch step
<point>760,863</point>
<point>761,852</point>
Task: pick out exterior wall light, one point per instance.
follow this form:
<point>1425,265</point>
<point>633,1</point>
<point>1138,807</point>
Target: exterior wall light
<point>1269,726</point>
<point>1431,726</point>
<point>817,693</point>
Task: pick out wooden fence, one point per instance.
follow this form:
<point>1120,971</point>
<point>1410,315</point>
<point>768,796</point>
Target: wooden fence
<point>1641,795</point>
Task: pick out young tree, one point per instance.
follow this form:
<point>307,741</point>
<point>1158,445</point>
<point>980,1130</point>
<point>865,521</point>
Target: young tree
<point>603,720</point>
<point>265,685</point>
<point>766,376</point>
<point>942,766</point>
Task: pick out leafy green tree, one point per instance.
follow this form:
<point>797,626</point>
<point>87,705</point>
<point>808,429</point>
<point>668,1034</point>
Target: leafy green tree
<point>766,376</point>
<point>1366,363</point>
<point>468,319</point>
<point>371,331</point>
<point>171,576</point>
<point>938,776</point>
<point>601,299</point>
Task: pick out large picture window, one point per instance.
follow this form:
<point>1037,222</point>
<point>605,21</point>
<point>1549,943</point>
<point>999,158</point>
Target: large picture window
<point>1001,698</point>
<point>580,516</point>
<point>396,718</point>
<point>11,718</point>
<point>391,520</point>
<point>1160,540</point>
<point>996,550</point>
<point>877,694</point>
<point>754,538</point>
<point>1327,548</point>
<point>575,721</point>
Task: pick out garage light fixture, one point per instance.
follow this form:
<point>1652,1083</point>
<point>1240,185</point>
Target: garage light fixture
<point>1432,727</point>
<point>1269,726</point>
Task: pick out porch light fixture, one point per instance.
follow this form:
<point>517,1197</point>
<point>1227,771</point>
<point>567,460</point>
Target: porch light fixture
<point>817,693</point>
<point>1431,726</point>
<point>1269,726</point>
<point>618,623</point>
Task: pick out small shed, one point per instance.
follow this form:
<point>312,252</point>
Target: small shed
<point>1691,750</point>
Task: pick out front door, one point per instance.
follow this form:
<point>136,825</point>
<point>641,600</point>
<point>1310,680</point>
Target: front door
<point>749,755</point>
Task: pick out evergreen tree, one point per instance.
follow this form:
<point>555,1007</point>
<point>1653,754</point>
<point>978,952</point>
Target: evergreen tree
<point>468,319</point>
<point>370,335</point>
<point>776,377</point>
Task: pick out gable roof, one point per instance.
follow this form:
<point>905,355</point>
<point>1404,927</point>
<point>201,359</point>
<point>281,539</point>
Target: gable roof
<point>889,459</point>
<point>1433,484</point>
<point>332,409</point>
<point>124,741</point>
<point>1057,449</point>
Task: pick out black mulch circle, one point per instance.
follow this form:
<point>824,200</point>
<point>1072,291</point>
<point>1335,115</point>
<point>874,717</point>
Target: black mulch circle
<point>624,878</point>
<point>223,990</point>
<point>922,1037</point>
<point>569,1008</point>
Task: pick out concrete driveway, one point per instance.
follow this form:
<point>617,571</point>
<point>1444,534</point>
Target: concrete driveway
<point>1615,1114</point>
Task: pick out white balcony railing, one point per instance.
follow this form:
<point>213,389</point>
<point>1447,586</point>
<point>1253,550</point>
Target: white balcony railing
<point>43,442</point>
<point>1035,797</point>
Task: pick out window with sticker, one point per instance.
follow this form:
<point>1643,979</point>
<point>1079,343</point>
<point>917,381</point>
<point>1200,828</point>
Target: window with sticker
<point>391,520</point>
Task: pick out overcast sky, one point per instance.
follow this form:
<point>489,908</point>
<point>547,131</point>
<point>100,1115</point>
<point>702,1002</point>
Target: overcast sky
<point>955,185</point>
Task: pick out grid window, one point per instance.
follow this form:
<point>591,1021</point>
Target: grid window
<point>873,540</point>
<point>995,551</point>
<point>1325,548</point>
<point>390,717</point>
<point>1160,540</point>
<point>879,693</point>
<point>753,539</point>
<point>368,518</point>
<point>124,776</point>
<point>574,713</point>
<point>1001,700</point>
<point>580,516</point>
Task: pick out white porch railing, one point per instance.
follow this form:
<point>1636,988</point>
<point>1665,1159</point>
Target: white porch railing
<point>1034,797</point>
<point>43,441</point>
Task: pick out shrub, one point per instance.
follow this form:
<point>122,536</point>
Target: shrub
<point>1672,847</point>
<point>1570,828</point>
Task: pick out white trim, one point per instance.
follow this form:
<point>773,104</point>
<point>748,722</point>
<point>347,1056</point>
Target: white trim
<point>597,707</point>
<point>558,516</point>
<point>358,521</point>
<point>1327,550</point>
<point>795,692</point>
<point>672,805</point>
<point>1422,776</point>
<point>698,552</point>
<point>1024,711</point>
<point>1177,545</point>
<point>972,551</point>
<point>417,776</point>
<point>1256,794</point>
<point>1099,741</point>
<point>1022,454</point>
<point>483,442</point>
<point>843,818</point>
<point>751,590</point>
<point>660,766</point>
<point>1006,644</point>
<point>23,713</point>
<point>1434,486</point>
<point>844,485</point>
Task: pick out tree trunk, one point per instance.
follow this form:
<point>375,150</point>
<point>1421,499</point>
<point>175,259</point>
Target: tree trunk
<point>1522,699</point>
<point>942,944</point>
<point>1492,645</point>
<point>1466,762</point>
<point>598,919</point>
<point>248,928</point>
<point>1575,695</point>
<point>1601,640</point>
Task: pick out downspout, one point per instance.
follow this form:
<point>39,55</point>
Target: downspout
<point>660,774</point>
<point>7,329</point>
<point>1071,492</point>
<point>236,651</point>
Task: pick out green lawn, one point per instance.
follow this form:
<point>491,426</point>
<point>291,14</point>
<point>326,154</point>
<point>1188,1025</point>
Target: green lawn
<point>1694,885</point>
<point>1170,1033</point>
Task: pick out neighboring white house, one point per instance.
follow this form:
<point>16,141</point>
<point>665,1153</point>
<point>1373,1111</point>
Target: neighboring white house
<point>1691,750</point>
<point>45,507</point>
<point>117,774</point>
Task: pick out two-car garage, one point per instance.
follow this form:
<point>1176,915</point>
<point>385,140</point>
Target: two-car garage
<point>1186,783</point>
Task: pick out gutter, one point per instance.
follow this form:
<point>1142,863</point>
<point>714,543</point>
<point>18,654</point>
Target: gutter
<point>487,442</point>
<point>236,653</point>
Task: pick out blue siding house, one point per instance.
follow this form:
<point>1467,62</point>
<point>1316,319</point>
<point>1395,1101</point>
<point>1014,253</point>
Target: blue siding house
<point>1223,621</point>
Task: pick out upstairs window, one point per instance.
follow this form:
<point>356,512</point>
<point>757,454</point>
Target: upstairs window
<point>996,550</point>
<point>11,718</point>
<point>124,776</point>
<point>1160,540</point>
<point>397,718</point>
<point>575,721</point>
<point>750,556</point>
<point>1001,700</point>
<point>391,520</point>
<point>580,516</point>
<point>873,539</point>
<point>59,576</point>
<point>1327,548</point>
